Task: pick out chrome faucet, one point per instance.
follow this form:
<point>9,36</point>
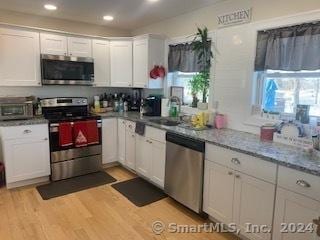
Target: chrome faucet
<point>177,100</point>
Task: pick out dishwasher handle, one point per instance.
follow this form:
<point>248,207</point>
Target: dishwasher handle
<point>186,142</point>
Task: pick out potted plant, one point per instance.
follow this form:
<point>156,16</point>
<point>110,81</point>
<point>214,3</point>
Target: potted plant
<point>202,46</point>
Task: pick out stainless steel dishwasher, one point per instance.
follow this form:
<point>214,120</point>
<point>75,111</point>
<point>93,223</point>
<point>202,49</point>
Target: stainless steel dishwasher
<point>184,170</point>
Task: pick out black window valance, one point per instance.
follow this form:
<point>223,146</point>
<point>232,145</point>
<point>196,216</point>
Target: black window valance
<point>293,48</point>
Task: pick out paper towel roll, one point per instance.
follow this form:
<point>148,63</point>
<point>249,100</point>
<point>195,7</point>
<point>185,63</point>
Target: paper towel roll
<point>164,107</point>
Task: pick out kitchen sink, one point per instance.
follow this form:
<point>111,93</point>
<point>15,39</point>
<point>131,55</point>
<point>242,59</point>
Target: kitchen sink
<point>165,122</point>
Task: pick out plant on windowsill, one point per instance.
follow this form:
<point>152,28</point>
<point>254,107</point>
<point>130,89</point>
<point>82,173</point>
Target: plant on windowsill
<point>202,46</point>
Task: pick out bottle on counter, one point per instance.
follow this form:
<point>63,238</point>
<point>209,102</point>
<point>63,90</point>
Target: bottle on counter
<point>121,105</point>
<point>115,103</point>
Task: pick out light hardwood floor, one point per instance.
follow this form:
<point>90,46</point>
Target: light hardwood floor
<point>97,213</point>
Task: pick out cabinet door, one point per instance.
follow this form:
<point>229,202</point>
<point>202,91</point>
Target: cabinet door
<point>158,160</point>
<point>143,155</point>
<point>26,159</point>
<point>130,150</point>
<point>121,63</point>
<point>121,141</point>
<point>218,192</point>
<point>79,47</point>
<point>20,58</point>
<point>295,209</point>
<point>109,140</point>
<point>254,204</point>
<point>140,63</point>
<point>101,56</point>
<point>53,44</point>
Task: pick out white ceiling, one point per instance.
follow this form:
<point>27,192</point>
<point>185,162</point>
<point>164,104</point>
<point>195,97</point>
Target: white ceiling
<point>129,14</point>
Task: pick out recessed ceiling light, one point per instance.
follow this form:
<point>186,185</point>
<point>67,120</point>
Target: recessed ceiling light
<point>153,1</point>
<point>108,18</point>
<point>50,7</point>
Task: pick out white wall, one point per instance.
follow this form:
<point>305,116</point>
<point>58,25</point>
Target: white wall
<point>262,9</point>
<point>233,72</point>
<point>58,91</point>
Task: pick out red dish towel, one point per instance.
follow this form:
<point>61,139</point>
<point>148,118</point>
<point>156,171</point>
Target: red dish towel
<point>92,132</point>
<point>80,134</point>
<point>65,134</point>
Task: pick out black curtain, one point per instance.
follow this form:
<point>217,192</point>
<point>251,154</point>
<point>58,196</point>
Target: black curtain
<point>182,58</point>
<point>293,48</point>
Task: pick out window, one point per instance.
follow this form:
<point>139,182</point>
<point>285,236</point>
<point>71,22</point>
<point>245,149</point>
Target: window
<point>287,66</point>
<point>282,91</point>
<point>181,79</point>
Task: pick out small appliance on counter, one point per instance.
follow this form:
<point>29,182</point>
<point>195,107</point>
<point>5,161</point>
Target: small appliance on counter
<point>152,106</point>
<point>135,103</point>
<point>16,108</point>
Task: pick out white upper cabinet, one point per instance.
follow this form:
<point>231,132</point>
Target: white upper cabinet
<point>140,63</point>
<point>148,51</point>
<point>53,44</point>
<point>20,58</point>
<point>56,44</point>
<point>101,56</point>
<point>121,63</point>
<point>80,47</point>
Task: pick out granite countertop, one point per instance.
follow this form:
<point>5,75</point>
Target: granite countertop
<point>31,121</point>
<point>247,143</point>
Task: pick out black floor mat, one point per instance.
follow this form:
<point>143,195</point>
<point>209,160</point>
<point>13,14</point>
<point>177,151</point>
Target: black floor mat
<point>139,191</point>
<point>76,184</point>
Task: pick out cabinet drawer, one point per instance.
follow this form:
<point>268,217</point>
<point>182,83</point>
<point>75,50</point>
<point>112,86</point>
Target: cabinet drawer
<point>155,134</point>
<point>299,182</point>
<point>131,126</point>
<point>242,162</point>
<point>27,131</point>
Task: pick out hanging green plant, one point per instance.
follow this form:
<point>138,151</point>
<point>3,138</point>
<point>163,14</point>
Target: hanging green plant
<point>202,46</point>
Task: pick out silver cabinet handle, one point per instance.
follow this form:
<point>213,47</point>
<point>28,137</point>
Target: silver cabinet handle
<point>230,173</point>
<point>133,135</point>
<point>45,139</point>
<point>235,161</point>
<point>27,131</point>
<point>238,176</point>
<point>303,183</point>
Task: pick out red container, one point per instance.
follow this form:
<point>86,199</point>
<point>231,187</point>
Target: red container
<point>266,132</point>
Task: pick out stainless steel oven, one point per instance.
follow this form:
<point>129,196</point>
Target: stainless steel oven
<point>66,70</point>
<point>67,162</point>
<point>15,108</point>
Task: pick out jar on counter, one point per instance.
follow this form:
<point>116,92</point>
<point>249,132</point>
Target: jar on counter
<point>267,131</point>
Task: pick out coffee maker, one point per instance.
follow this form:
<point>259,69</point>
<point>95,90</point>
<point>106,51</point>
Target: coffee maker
<point>135,100</point>
<point>152,106</point>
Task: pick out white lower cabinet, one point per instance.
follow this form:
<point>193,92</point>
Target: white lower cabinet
<point>218,192</point>
<point>26,153</point>
<point>253,204</point>
<point>130,155</point>
<point>151,156</point>
<point>109,140</point>
<point>143,156</point>
<point>231,196</point>
<point>295,212</point>
<point>121,141</point>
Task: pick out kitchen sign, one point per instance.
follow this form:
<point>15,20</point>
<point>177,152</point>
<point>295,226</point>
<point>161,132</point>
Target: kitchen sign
<point>234,18</point>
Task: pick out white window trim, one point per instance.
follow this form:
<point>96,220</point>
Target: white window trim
<point>283,21</point>
<point>189,39</point>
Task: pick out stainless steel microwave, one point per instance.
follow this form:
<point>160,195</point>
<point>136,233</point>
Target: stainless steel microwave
<point>15,109</point>
<point>66,70</point>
